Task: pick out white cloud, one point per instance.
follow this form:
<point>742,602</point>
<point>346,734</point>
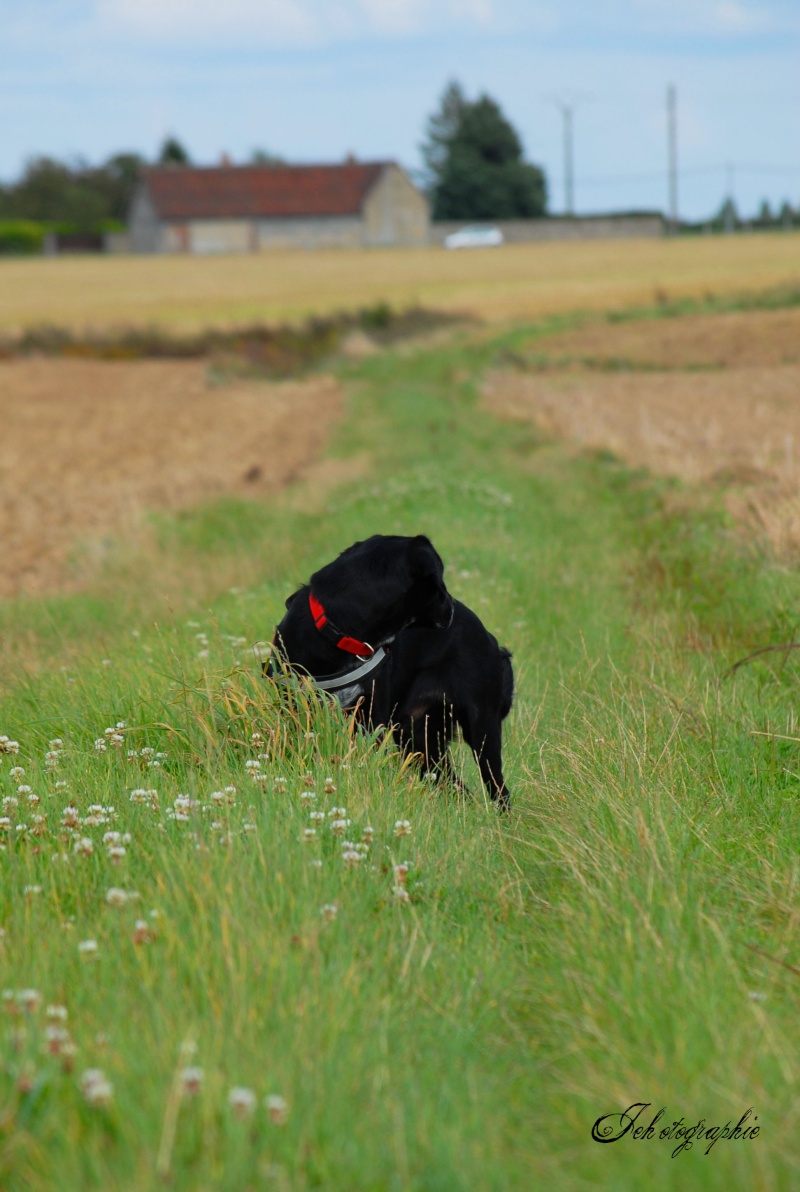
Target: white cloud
<point>725,17</point>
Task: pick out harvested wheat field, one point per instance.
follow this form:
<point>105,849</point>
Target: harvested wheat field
<point>517,281</point>
<point>89,446</point>
<point>712,399</point>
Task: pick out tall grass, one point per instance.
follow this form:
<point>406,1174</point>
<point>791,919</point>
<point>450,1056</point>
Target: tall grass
<point>487,987</point>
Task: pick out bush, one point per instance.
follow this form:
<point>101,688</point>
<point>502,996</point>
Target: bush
<point>21,236</point>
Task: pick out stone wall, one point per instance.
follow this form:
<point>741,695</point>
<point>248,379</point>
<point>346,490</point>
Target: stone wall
<point>584,227</point>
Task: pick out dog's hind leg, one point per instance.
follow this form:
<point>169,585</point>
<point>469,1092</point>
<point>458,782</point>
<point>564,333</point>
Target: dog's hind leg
<point>488,755</point>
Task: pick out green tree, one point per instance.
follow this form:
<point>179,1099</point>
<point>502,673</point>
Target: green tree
<point>475,164</point>
<point>172,152</point>
<point>263,157</point>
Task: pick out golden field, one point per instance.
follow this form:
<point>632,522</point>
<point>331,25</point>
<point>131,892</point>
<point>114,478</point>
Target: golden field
<point>514,282</point>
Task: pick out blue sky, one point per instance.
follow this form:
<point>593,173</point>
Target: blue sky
<point>315,79</point>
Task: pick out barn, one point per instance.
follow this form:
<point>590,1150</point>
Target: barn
<point>230,209</point>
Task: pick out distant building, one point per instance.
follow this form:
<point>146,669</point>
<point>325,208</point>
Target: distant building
<point>228,209</point>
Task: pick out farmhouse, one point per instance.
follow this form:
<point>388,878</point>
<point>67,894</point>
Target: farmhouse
<point>228,208</point>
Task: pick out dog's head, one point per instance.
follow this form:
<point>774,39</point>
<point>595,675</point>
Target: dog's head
<point>384,583</point>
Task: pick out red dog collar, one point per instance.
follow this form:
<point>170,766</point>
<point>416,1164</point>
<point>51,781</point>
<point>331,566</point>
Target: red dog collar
<point>341,641</point>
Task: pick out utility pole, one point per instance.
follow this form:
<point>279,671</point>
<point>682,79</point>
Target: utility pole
<point>567,108</point>
<point>672,157</point>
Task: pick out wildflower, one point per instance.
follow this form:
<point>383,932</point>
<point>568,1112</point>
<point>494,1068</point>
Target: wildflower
<point>315,864</point>
<point>17,773</point>
<point>116,852</point>
<point>117,897</point>
<point>57,1013</point>
<point>309,834</point>
<point>39,826</point>
<point>351,858</point>
<point>400,894</point>
<point>23,790</point>
<point>308,779</point>
<point>256,738</point>
<point>88,947</point>
<point>242,1101</point>
<point>755,995</point>
<point>329,911</point>
<point>191,1080</point>
<point>55,1037</point>
<point>252,763</point>
<point>10,802</point>
<point>7,746</point>
<point>70,817</point>
<point>315,816</point>
<point>337,812</point>
<point>84,847</point>
<point>402,828</point>
<point>31,891</point>
<point>330,786</point>
<point>141,932</point>
<point>33,798</point>
<point>338,826</point>
<point>277,1109</point>
<point>29,999</point>
<point>401,873</point>
<point>56,743</point>
<point>308,796</point>
<point>100,745</point>
<point>96,1088</point>
<point>145,796</point>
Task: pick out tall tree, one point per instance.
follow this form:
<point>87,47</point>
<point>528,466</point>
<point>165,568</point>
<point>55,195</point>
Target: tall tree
<point>475,163</point>
<point>172,152</point>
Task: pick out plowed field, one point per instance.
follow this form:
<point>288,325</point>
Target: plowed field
<point>88,446</point>
<point>710,399</point>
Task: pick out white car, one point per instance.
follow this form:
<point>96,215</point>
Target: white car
<point>474,236</point>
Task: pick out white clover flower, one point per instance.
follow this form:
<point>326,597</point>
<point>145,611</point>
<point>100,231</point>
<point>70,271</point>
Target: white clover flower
<point>88,947</point>
<point>70,817</point>
<point>141,932</point>
<point>29,999</point>
<point>57,1013</point>
<point>280,781</point>
<point>252,763</point>
<point>277,1108</point>
<point>330,786</point>
<point>351,858</point>
<point>402,828</point>
<point>315,864</point>
<point>337,812</point>
<point>316,816</point>
<point>117,852</point>
<point>97,1090</point>
<point>83,846</point>
<point>259,776</point>
<point>24,789</point>
<point>101,745</point>
<point>339,826</point>
<point>400,894</point>
<point>309,834</point>
<point>329,911</point>
<point>10,802</point>
<point>401,873</point>
<point>17,773</point>
<point>242,1101</point>
<point>31,891</point>
<point>307,796</point>
<point>192,1080</point>
<point>55,1037</point>
<point>116,896</point>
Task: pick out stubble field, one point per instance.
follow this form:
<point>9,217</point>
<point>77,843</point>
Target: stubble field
<point>242,946</point>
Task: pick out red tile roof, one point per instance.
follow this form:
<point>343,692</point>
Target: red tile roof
<point>231,192</point>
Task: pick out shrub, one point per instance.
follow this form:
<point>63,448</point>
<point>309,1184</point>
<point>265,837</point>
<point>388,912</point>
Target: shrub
<point>21,236</point>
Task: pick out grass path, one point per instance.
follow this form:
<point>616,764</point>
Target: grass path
<point>591,950</point>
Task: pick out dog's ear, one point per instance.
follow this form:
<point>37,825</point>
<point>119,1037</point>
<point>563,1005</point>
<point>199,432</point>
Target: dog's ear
<point>425,562</point>
<point>291,599</point>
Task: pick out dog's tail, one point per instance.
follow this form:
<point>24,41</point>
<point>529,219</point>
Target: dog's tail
<point>507,690</point>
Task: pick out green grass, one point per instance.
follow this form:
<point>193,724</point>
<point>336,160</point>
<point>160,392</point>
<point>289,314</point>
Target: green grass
<point>592,949</point>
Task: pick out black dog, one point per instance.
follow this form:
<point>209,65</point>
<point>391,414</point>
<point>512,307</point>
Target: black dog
<point>378,629</point>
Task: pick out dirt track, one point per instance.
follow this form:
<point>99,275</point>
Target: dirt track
<point>88,446</point>
<point>710,399</point>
